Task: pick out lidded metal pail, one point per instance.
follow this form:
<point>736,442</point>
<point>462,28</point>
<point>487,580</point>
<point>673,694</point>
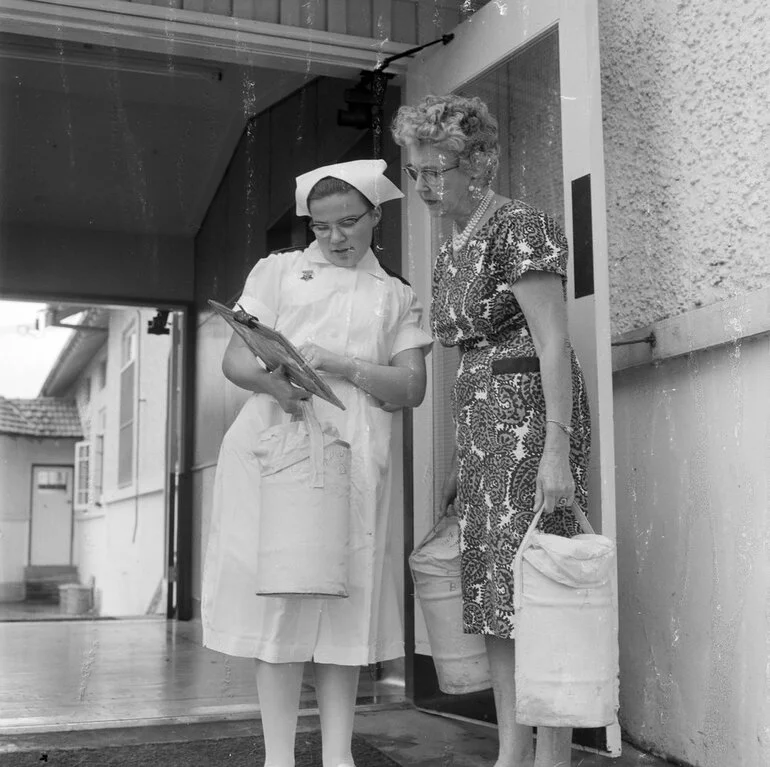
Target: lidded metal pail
<point>566,629</point>
<point>304,526</point>
<point>460,659</point>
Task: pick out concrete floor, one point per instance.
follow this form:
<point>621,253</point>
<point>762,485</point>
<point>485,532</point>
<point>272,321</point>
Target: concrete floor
<point>58,675</point>
<point>114,682</point>
<point>34,611</point>
<point>411,738</point>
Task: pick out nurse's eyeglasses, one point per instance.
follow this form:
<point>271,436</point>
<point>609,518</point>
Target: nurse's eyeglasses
<point>345,227</point>
<point>430,176</point>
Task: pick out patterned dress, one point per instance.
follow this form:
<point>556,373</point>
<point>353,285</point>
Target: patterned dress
<point>499,415</point>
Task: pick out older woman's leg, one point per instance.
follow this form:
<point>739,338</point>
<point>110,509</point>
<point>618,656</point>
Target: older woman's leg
<point>516,748</point>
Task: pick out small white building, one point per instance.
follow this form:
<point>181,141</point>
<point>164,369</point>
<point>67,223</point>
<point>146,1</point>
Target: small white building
<point>37,449</point>
<point>117,375</point>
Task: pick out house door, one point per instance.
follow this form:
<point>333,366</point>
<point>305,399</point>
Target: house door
<point>537,67</point>
<point>51,521</point>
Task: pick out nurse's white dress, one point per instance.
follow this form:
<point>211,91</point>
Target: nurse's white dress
<point>361,312</point>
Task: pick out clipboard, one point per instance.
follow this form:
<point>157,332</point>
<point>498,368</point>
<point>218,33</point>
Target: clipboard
<point>274,349</point>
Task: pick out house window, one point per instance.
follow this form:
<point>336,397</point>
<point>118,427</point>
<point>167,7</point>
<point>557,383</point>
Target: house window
<point>51,480</point>
<point>126,409</point>
<point>102,374</point>
<point>128,346</point>
<point>82,475</point>
<point>98,470</point>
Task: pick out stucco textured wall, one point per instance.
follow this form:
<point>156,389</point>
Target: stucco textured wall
<point>685,94</point>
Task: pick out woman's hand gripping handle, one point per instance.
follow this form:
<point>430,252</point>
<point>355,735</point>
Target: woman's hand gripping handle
<point>289,396</point>
<point>449,489</point>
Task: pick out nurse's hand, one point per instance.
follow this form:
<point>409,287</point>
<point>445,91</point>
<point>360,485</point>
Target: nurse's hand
<point>320,359</point>
<point>288,395</point>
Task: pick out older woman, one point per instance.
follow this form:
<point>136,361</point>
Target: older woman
<point>519,401</point>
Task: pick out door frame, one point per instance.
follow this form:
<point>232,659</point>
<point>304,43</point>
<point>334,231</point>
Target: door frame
<point>33,467</point>
<point>438,70</point>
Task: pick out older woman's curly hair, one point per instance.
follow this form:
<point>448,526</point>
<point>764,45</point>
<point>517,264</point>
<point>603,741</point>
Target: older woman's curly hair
<point>458,124</point>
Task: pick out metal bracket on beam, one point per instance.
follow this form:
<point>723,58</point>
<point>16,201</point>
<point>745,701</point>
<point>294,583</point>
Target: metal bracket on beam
<point>650,339</point>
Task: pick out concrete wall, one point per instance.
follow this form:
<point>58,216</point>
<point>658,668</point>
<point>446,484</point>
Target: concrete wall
<point>17,456</point>
<point>684,92</point>
<point>80,264</point>
<point>123,550</point>
<point>692,439</point>
<point>121,543</point>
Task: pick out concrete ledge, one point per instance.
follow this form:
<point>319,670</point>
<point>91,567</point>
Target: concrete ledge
<point>728,322</point>
<point>13,591</point>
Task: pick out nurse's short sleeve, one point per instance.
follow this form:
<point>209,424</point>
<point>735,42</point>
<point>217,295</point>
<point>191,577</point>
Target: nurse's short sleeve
<point>261,292</point>
<point>530,240</point>
<point>409,332</point>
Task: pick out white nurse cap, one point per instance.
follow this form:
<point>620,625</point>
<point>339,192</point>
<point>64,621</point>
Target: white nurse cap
<point>365,175</point>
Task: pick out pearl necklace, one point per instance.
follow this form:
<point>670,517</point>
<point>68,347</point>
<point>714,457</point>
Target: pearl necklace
<point>460,239</point>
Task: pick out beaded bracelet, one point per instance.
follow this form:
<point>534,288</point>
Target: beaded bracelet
<point>566,429</point>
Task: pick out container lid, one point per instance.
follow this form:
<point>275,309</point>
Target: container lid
<point>286,444</point>
<point>583,561</point>
<point>440,554</point>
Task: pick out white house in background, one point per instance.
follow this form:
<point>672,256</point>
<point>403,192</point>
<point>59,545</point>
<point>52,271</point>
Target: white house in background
<point>117,376</point>
<point>37,444</point>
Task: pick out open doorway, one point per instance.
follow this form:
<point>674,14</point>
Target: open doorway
<point>88,442</point>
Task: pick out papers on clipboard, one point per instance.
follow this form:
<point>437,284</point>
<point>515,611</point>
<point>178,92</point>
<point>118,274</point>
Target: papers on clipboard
<point>274,349</point>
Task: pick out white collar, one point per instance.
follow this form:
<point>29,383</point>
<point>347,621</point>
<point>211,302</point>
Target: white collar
<point>368,263</point>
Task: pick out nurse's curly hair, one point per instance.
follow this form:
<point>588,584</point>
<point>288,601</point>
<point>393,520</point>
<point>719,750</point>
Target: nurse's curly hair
<point>458,124</point>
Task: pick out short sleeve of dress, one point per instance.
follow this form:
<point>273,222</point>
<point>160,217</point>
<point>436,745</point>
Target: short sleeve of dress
<point>261,292</point>
<point>531,241</point>
<point>409,332</point>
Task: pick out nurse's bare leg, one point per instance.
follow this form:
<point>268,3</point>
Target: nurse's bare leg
<point>516,747</point>
<point>336,689</point>
<point>278,687</point>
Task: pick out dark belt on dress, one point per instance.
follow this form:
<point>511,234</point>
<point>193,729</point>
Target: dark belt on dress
<point>515,365</point>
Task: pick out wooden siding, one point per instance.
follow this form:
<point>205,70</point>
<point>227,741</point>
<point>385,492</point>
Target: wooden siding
<point>400,21</point>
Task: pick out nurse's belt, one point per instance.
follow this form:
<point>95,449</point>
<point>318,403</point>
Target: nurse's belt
<point>365,175</point>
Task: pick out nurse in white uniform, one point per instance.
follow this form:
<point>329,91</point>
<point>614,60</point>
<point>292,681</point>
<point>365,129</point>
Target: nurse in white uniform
<point>360,328</point>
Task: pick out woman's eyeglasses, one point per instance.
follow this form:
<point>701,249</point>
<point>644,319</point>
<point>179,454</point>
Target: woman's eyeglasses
<point>429,175</point>
<point>345,227</point>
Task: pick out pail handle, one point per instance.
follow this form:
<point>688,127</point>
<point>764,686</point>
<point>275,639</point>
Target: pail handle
<point>316,443</point>
<point>526,542</point>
